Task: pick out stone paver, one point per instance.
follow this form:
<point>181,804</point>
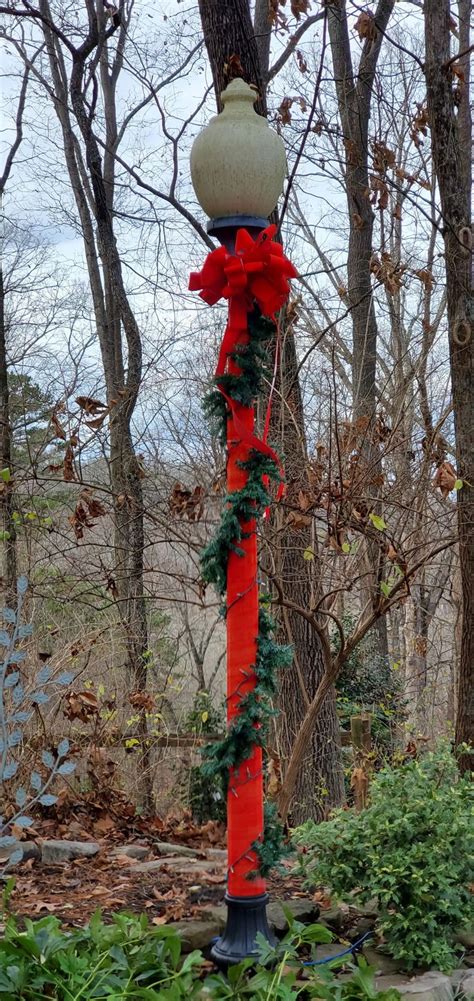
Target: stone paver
<point>64,851</point>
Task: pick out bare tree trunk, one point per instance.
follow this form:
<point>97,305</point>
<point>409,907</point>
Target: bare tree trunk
<point>354,96</point>
<point>451,160</point>
<point>6,482</point>
<point>228,31</point>
<point>92,182</point>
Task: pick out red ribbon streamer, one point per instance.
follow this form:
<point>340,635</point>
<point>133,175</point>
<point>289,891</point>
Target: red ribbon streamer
<point>258,272</point>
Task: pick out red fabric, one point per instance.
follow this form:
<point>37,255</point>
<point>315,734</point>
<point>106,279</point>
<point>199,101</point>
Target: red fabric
<point>258,271</point>
<point>245,798</point>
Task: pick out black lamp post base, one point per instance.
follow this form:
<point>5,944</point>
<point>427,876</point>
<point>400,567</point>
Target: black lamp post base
<point>245,917</point>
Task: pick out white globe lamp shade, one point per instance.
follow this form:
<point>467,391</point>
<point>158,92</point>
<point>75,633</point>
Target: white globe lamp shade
<point>238,163</point>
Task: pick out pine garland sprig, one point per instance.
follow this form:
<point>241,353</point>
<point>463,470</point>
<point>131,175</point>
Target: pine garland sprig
<point>241,506</point>
<point>252,361</point>
<point>272,848</point>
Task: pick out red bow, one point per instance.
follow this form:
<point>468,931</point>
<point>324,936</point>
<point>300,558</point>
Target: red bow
<point>258,270</point>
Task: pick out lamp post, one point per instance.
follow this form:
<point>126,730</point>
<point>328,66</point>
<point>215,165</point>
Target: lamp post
<point>238,167</point>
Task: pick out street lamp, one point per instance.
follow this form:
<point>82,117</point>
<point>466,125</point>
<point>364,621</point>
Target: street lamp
<point>238,167</point>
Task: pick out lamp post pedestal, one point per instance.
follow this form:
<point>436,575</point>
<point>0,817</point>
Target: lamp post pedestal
<point>246,917</point>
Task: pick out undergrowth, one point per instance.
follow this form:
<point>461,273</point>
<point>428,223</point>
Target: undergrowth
<point>132,960</point>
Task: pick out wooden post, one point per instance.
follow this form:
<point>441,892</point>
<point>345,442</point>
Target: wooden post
<point>361,747</point>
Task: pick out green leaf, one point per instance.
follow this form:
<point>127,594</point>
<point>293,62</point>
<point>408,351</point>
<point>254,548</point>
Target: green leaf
<point>377,521</point>
<point>459,484</point>
<point>346,547</point>
<point>308,553</point>
<point>5,475</point>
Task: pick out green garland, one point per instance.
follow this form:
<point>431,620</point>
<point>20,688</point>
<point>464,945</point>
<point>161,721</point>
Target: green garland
<point>249,728</point>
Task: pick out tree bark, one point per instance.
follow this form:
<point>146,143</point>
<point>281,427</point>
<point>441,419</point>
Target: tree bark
<point>6,485</point>
<point>92,182</point>
<point>450,156</point>
<point>228,30</point>
<point>354,97</point>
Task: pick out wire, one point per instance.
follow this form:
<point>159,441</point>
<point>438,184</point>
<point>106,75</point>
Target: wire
<point>339,955</point>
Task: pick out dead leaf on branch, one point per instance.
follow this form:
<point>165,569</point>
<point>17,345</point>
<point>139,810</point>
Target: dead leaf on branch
<point>81,705</point>
<point>380,191</point>
<point>302,64</point>
<point>284,112</point>
<point>233,68</point>
<point>299,7</point>
<point>419,126</point>
<point>186,503</point>
<point>60,432</point>
<point>86,508</point>
<point>297,520</point>
<point>383,157</point>
<point>142,700</point>
<point>90,405</point>
<point>445,478</point>
<point>274,780</point>
<point>68,467</point>
<point>366,27</point>
<point>425,277</point>
<point>276,17</point>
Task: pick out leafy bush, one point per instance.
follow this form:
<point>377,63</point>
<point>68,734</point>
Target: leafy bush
<point>412,850</point>
<point>206,798</point>
<point>129,960</point>
<point>367,683</point>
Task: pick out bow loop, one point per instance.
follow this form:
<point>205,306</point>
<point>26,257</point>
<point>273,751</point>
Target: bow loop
<point>256,266</point>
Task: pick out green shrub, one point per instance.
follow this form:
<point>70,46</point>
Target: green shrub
<point>129,960</point>
<point>411,849</point>
<point>205,798</point>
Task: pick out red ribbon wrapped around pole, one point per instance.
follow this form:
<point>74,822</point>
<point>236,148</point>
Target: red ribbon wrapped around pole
<point>258,272</point>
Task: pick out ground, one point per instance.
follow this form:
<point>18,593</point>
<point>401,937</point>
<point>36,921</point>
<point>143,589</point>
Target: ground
<point>166,885</point>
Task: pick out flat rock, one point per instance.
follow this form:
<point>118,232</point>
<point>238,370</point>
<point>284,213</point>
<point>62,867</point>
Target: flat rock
<point>457,977</point>
<point>203,865</point>
<point>131,851</point>
<point>302,910</point>
<point>64,851</point>
<point>466,937</point>
<point>368,910</point>
<point>432,986</point>
<point>218,853</point>
<point>466,987</point>
<point>217,914</point>
<point>361,928</point>
<point>392,980</point>
<point>154,864</point>
<point>380,960</point>
<point>167,848</point>
<point>334,917</point>
<point>331,950</point>
<point>29,849</point>
<point>196,934</point>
